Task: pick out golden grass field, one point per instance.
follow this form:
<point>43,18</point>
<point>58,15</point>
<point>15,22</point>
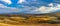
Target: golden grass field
<point>22,21</point>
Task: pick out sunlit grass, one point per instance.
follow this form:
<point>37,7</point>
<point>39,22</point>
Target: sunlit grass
<point>22,20</point>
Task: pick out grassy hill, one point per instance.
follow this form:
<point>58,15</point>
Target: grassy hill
<point>28,18</point>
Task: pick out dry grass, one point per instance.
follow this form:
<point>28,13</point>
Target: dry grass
<point>2,24</point>
<point>22,21</point>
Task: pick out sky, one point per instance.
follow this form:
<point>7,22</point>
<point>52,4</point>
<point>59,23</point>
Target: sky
<point>29,6</point>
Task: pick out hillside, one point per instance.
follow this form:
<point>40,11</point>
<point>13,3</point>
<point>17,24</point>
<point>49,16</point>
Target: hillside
<point>28,19</point>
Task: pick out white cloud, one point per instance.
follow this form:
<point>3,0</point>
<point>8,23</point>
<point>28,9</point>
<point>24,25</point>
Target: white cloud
<point>5,9</point>
<point>21,1</point>
<point>44,9</point>
<point>2,6</point>
<point>7,1</point>
<point>31,10</point>
<point>51,4</point>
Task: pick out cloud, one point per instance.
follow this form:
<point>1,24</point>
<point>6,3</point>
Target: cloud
<point>50,9</point>
<point>5,9</point>
<point>31,10</point>
<point>7,1</point>
<point>21,1</point>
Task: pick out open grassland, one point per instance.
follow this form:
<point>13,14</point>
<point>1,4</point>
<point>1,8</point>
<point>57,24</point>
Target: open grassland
<point>27,20</point>
<point>3,24</point>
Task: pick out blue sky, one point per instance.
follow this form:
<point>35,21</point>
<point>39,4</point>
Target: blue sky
<point>29,6</point>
